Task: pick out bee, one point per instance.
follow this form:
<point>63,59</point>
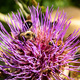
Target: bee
<point>28,24</point>
<point>58,42</point>
<point>28,35</point>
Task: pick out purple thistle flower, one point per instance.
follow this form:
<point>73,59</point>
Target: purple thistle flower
<point>43,57</point>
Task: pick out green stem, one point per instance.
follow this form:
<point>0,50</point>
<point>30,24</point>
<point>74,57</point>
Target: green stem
<point>2,16</point>
<point>22,6</point>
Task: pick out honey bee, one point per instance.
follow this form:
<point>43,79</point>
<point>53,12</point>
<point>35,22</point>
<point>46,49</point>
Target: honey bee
<point>28,35</point>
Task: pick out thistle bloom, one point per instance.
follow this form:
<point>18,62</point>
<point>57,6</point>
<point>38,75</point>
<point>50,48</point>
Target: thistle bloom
<point>43,57</point>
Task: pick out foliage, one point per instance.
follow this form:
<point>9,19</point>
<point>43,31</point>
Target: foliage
<point>7,6</point>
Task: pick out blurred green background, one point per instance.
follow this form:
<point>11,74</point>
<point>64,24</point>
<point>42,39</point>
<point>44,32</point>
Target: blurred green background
<point>6,6</point>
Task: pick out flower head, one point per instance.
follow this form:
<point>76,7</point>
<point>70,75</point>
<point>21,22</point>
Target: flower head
<point>35,49</point>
